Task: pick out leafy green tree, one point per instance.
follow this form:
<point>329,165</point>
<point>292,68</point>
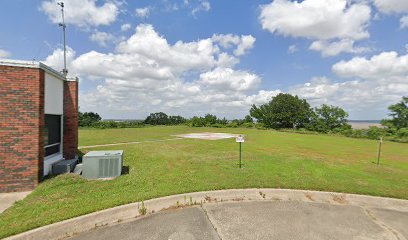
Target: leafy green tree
<point>176,120</point>
<point>402,133</point>
<point>207,120</point>
<point>87,119</point>
<point>399,115</point>
<point>283,111</point>
<point>159,118</point>
<point>210,119</point>
<point>327,118</point>
<point>248,119</point>
<point>196,122</point>
<point>374,132</point>
<point>222,121</point>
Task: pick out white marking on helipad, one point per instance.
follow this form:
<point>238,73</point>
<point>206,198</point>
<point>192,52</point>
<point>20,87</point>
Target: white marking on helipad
<point>207,136</point>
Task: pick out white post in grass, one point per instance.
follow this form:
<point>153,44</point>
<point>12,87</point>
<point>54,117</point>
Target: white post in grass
<point>240,139</point>
<point>379,151</point>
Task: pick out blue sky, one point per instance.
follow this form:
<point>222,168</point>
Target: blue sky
<point>192,57</point>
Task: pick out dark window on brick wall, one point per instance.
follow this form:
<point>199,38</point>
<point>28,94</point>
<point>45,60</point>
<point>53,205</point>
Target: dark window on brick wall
<point>52,134</point>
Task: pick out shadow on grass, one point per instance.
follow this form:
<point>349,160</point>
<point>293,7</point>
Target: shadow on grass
<point>51,176</point>
<point>125,170</point>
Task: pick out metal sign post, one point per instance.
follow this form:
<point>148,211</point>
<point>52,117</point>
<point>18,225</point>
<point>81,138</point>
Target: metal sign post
<point>240,155</point>
<point>240,139</point>
<point>379,151</point>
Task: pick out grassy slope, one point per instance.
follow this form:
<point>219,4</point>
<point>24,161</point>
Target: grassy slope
<point>272,159</point>
<point>91,136</point>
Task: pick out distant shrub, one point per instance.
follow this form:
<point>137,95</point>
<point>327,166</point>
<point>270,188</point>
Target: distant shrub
<point>116,124</point>
<point>260,126</point>
<point>371,133</point>
<point>344,129</point>
<point>375,132</point>
<point>358,133</point>
<point>232,125</point>
<point>345,132</point>
<point>105,124</point>
<point>300,131</point>
<point>303,130</point>
<point>218,125</point>
<point>248,125</point>
<point>402,133</point>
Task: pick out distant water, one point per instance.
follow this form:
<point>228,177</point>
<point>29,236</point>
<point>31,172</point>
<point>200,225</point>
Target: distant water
<point>363,124</point>
<point>364,121</point>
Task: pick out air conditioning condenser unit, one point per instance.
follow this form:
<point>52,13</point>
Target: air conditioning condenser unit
<point>102,164</point>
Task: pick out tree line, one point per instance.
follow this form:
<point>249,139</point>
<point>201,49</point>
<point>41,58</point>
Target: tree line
<point>283,112</point>
<point>290,112</point>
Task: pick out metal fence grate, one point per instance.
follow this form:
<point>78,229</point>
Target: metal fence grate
<point>108,167</point>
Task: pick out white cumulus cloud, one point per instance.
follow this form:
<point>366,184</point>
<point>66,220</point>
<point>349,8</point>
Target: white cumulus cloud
<point>263,96</point>
<point>363,99</point>
<point>82,13</point>
<point>404,22</point>
<point>226,40</point>
<point>225,79</point>
<point>247,42</point>
<point>334,48</point>
<point>389,6</point>
<point>142,12</point>
<point>56,60</point>
<point>102,38</point>
<point>292,49</point>
<point>317,19</point>
<point>323,20</point>
<point>383,65</point>
<point>375,83</point>
<point>125,27</point>
<point>392,7</point>
<point>204,6</point>
<point>146,74</point>
<point>243,43</point>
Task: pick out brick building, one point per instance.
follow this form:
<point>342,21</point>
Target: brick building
<point>38,122</point>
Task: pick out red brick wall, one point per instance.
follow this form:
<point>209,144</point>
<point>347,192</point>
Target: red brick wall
<point>70,119</point>
<point>21,128</point>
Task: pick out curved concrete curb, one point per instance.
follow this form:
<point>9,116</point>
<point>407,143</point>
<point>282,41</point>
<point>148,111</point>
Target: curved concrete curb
<point>127,212</point>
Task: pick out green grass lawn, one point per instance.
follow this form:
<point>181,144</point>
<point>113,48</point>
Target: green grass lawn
<point>272,160</point>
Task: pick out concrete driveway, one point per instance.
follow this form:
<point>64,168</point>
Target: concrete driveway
<point>262,220</point>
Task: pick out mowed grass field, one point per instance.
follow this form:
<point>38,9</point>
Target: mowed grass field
<point>271,160</point>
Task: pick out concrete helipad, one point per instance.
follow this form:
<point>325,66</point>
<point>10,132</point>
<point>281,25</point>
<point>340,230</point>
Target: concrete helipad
<point>208,136</point>
<point>262,220</point>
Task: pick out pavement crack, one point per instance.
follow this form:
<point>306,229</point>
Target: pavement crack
<point>212,224</point>
<point>392,232</point>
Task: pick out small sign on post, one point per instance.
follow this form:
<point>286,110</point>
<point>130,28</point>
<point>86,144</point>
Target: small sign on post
<point>240,139</point>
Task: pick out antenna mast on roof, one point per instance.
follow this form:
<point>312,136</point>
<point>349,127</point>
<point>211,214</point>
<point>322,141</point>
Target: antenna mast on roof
<point>65,70</point>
